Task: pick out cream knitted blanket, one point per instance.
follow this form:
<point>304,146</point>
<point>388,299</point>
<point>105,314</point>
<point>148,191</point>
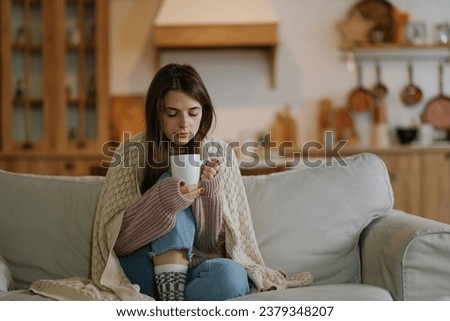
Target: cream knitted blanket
<point>121,189</point>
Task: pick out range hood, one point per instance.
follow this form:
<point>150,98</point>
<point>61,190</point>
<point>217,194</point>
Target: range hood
<point>216,24</point>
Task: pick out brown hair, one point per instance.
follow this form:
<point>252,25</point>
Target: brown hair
<point>176,77</point>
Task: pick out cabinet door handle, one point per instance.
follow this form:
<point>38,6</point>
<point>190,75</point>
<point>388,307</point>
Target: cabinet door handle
<point>69,166</point>
<point>27,145</point>
<point>81,144</point>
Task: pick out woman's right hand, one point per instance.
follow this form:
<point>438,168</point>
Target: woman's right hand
<point>191,192</point>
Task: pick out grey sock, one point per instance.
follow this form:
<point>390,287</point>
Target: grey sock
<point>170,280</point>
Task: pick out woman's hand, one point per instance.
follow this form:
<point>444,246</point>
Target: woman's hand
<point>191,192</point>
<point>210,169</point>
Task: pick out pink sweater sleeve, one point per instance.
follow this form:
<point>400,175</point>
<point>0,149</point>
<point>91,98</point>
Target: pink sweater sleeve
<point>208,212</point>
<point>151,216</point>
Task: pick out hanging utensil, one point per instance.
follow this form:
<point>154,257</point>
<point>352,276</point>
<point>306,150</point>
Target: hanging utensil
<point>437,111</point>
<point>360,99</point>
<point>380,90</point>
<point>411,94</point>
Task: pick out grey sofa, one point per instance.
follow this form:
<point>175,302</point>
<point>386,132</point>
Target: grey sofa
<point>334,220</point>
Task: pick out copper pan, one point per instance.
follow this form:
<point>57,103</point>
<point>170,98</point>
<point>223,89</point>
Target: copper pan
<point>437,110</point>
<point>411,94</point>
<point>360,99</point>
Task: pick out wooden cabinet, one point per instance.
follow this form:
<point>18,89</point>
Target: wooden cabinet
<point>54,81</point>
<point>435,191</point>
<point>420,179</point>
<point>404,173</point>
<point>55,164</point>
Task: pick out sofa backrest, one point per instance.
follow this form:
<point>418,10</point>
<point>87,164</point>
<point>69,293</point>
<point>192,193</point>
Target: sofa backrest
<point>46,225</point>
<point>305,220</point>
<point>310,219</point>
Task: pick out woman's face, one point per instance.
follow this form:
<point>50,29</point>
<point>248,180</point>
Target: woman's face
<point>181,118</point>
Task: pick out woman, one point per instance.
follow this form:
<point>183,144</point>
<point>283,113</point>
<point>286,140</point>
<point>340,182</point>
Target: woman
<point>151,230</point>
<point>164,232</point>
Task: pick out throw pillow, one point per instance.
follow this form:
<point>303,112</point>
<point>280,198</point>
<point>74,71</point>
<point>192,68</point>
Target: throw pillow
<point>46,225</point>
<point>310,219</point>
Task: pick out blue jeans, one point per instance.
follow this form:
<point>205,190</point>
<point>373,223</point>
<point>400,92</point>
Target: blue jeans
<point>212,280</point>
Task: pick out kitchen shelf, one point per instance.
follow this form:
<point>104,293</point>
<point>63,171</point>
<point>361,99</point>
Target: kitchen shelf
<point>397,53</point>
<point>189,25</point>
<point>263,37</point>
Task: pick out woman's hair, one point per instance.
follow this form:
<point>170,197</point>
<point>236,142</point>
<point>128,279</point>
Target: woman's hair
<point>183,78</point>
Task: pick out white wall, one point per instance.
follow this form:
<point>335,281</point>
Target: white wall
<point>309,65</point>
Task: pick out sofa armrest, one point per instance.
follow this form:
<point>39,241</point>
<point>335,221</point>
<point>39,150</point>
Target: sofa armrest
<point>407,255</point>
<point>6,280</point>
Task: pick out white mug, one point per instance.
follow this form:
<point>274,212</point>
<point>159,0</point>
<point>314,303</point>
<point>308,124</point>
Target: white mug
<point>186,167</point>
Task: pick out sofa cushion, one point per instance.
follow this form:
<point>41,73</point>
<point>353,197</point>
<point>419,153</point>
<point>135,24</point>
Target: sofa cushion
<point>46,225</point>
<point>310,219</point>
<point>327,292</point>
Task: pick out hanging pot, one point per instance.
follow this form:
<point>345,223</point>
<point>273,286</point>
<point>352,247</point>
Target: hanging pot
<point>437,111</point>
<point>360,99</point>
<point>411,94</point>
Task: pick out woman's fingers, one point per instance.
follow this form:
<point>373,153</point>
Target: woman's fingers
<point>191,191</point>
<point>210,169</point>
<point>208,173</point>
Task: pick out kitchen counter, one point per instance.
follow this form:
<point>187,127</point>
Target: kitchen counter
<point>261,161</point>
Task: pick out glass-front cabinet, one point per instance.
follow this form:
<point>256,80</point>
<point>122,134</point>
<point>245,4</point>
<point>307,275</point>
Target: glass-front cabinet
<point>23,82</point>
<point>53,69</point>
<point>81,85</point>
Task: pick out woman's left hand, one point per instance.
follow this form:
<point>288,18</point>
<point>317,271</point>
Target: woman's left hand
<point>210,169</point>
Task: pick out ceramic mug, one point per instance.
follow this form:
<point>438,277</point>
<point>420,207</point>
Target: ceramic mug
<point>186,167</point>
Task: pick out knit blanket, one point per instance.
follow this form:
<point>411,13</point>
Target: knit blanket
<point>121,189</point>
